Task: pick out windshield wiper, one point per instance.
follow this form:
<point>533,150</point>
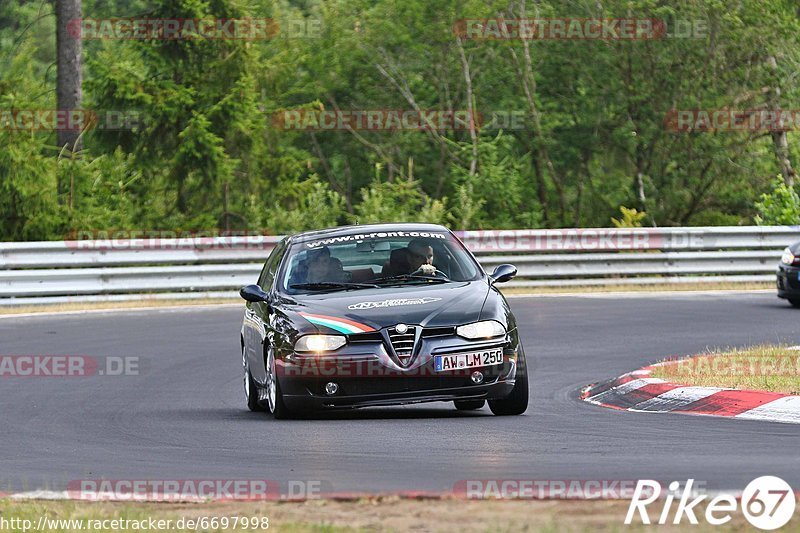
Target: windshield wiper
<point>409,277</point>
<point>329,285</point>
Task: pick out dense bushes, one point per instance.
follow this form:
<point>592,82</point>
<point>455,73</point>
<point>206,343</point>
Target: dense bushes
<point>591,130</point>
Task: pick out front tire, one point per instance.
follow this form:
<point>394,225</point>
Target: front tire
<point>250,388</point>
<point>795,302</point>
<point>469,405</point>
<point>517,402</point>
<point>275,403</point>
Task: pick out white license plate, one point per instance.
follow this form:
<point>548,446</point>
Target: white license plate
<point>443,363</point>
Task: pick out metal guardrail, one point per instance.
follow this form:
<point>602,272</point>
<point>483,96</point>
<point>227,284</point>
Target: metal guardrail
<point>186,267</point>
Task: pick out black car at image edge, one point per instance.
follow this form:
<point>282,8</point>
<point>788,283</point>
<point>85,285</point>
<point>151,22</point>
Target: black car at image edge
<point>789,275</point>
<point>379,315</point>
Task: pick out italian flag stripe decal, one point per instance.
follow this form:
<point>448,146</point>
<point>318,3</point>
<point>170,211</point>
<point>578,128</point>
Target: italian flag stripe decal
<point>342,325</point>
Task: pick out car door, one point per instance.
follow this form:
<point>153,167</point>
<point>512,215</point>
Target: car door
<point>257,316</point>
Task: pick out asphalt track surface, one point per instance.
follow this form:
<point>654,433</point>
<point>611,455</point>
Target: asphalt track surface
<point>184,417</point>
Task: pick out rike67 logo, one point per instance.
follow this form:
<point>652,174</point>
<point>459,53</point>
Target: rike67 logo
<point>767,502</point>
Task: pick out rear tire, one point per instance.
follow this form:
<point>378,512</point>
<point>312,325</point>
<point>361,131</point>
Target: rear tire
<point>469,405</point>
<point>517,402</point>
<point>795,302</point>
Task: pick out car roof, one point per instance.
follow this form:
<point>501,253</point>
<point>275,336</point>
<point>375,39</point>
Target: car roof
<point>368,228</point>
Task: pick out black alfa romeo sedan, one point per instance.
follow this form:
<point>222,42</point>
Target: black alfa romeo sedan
<point>379,315</point>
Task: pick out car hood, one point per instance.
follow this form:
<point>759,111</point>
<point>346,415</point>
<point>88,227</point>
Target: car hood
<point>448,304</point>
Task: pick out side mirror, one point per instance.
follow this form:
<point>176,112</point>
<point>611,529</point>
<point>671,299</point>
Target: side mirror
<point>253,293</point>
<point>503,273</point>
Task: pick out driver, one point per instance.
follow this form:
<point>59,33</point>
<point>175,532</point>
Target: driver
<point>418,255</point>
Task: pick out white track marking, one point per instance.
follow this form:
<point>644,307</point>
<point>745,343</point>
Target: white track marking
<point>625,388</point>
<point>786,409</point>
<point>675,399</point>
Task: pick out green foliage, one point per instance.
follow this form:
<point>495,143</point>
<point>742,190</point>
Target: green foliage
<point>467,208</point>
<point>631,218</point>
<point>28,201</point>
<point>299,206</point>
<point>779,207</point>
<point>29,207</point>
<point>590,136</point>
<point>98,194</point>
<point>495,196</point>
<point>398,201</point>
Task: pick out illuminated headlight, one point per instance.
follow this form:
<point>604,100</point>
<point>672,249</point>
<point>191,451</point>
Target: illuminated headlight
<point>486,329</point>
<point>319,343</point>
<point>788,257</point>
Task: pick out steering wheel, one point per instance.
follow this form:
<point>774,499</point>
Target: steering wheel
<point>436,273</point>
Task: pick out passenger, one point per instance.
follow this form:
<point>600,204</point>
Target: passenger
<point>319,267</point>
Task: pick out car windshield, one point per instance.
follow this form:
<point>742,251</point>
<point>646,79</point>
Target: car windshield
<point>379,259</point>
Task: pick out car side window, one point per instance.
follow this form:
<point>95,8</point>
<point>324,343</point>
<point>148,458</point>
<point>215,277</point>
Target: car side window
<point>268,272</point>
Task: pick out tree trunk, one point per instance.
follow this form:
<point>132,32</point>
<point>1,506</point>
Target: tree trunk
<point>780,142</point>
<point>473,164</point>
<point>68,83</point>
<point>528,79</point>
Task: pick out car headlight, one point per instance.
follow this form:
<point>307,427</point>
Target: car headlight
<point>788,257</point>
<point>486,329</point>
<point>319,343</point>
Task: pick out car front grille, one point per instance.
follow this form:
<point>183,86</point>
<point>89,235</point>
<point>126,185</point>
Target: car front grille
<point>438,332</point>
<point>403,343</point>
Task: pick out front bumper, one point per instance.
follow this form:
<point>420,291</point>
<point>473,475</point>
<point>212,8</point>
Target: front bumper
<point>788,281</point>
<point>367,375</point>
<point>310,401</point>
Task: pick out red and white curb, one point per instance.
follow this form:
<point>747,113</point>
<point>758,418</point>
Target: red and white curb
<point>639,392</point>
